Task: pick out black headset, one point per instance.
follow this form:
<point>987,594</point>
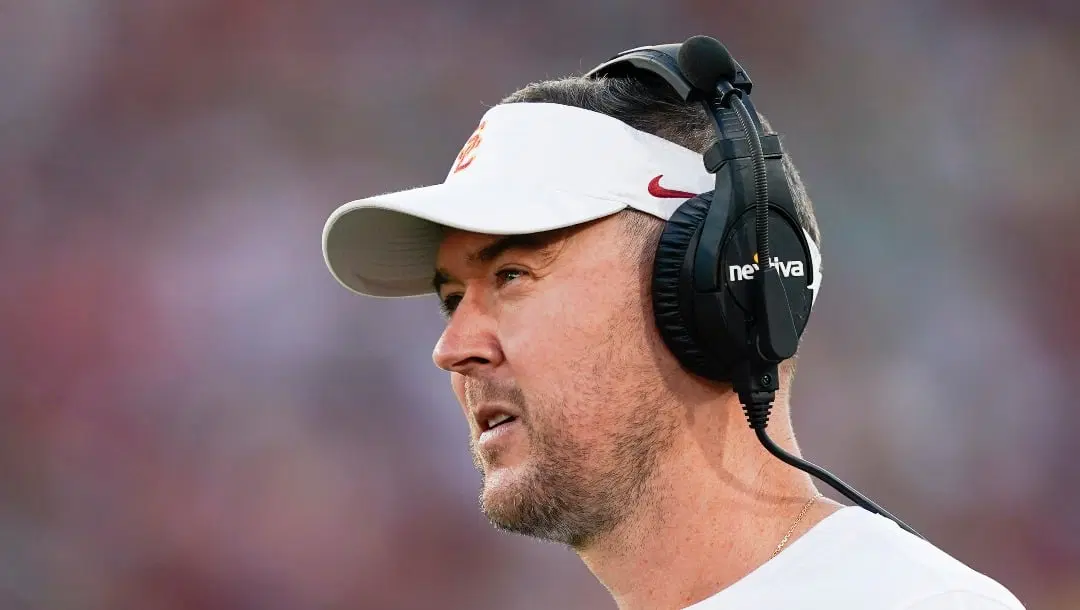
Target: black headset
<point>733,280</point>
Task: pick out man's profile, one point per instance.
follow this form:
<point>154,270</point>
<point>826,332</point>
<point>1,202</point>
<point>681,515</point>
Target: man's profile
<point>586,429</point>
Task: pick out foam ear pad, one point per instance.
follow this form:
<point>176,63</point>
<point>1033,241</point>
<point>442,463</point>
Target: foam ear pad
<point>673,309</point>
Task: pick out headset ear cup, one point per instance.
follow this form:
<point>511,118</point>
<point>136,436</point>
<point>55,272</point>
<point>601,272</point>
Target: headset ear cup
<point>674,316</point>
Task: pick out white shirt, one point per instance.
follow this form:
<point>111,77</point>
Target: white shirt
<point>855,559</point>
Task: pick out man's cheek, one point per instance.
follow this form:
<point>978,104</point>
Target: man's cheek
<point>457,385</point>
<point>536,338</point>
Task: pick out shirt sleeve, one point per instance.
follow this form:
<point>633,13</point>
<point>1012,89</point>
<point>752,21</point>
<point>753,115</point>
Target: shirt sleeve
<point>963,600</point>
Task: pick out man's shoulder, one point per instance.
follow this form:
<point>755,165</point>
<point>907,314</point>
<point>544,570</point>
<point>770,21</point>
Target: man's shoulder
<point>856,559</point>
<point>903,571</point>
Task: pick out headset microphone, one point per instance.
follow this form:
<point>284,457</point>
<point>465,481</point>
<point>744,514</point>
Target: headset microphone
<point>723,318</point>
<point>709,66</point>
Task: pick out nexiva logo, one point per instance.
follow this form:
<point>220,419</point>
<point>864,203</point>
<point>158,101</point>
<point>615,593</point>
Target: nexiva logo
<point>738,273</point>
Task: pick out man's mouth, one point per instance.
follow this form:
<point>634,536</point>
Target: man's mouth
<point>498,420</point>
<point>491,416</point>
<point>496,424</point>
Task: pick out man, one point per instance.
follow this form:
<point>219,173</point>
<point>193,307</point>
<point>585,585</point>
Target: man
<point>586,429</point>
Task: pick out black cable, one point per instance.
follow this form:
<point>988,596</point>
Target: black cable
<point>758,416</point>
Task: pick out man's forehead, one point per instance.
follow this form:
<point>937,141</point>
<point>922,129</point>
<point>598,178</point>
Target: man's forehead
<point>475,249</point>
<point>458,240</point>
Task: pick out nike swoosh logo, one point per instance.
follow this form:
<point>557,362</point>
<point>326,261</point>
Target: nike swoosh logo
<point>658,191</point>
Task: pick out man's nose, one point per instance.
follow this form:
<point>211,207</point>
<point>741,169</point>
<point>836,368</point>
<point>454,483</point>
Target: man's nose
<point>469,342</point>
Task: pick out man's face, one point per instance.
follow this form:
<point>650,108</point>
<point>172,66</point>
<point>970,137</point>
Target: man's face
<point>554,331</point>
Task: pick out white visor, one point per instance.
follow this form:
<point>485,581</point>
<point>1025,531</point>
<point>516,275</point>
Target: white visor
<point>528,167</point>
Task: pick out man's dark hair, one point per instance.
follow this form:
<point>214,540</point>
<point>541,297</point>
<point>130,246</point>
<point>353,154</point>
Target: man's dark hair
<point>649,104</point>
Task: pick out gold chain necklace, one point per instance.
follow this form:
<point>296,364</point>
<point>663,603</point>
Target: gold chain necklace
<point>802,513</point>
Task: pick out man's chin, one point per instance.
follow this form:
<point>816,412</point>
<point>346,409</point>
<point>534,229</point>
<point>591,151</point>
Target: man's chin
<point>516,503</point>
<point>506,495</point>
<point>501,482</point>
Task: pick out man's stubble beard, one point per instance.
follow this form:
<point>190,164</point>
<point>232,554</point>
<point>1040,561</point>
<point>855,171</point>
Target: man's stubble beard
<point>573,494</point>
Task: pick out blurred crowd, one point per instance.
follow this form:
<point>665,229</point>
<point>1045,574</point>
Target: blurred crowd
<point>193,415</point>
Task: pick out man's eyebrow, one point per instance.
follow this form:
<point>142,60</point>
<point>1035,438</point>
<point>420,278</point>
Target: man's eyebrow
<point>525,241</point>
<point>492,251</point>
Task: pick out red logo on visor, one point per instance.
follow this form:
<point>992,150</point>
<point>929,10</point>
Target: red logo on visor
<point>467,154</point>
<point>658,191</point>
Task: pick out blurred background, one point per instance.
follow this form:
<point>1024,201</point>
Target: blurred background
<point>194,415</point>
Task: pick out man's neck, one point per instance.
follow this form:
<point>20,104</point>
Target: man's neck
<point>715,511</point>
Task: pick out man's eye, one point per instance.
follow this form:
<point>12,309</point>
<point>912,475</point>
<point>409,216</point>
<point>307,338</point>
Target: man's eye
<point>506,275</point>
<point>449,304</point>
